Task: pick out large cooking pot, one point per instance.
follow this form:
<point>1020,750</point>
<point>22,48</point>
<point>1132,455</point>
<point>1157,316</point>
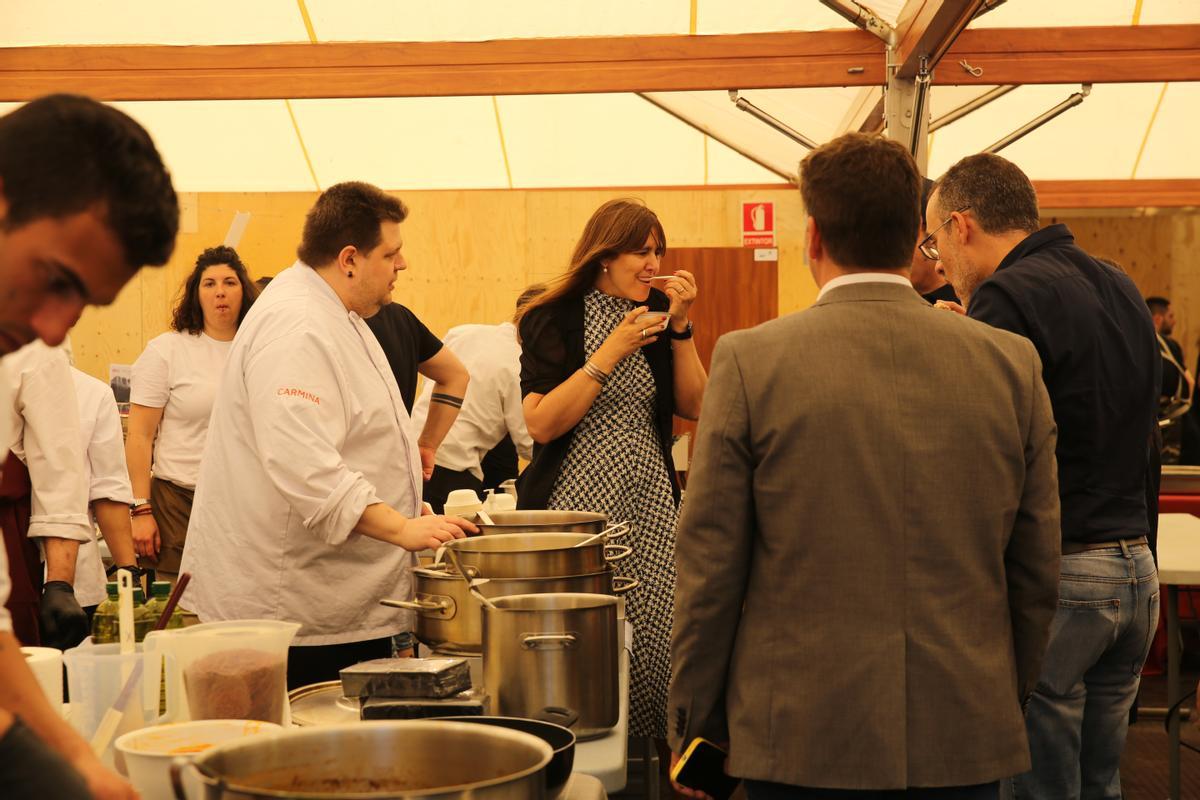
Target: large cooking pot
<point>449,619</point>
<point>535,555</point>
<point>427,759</point>
<point>560,739</point>
<point>554,650</point>
<point>544,522</point>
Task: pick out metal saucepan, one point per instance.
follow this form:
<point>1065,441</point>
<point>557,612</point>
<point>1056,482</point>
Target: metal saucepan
<point>545,522</point>
<point>535,555</point>
<point>449,620</point>
<point>427,759</point>
<point>560,739</point>
<point>554,650</point>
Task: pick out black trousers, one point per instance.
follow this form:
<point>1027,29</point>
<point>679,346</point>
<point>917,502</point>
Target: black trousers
<point>762,790</point>
<point>443,482</point>
<point>29,770</point>
<point>323,662</point>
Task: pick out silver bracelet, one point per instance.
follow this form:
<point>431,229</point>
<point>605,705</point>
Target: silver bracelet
<point>595,373</point>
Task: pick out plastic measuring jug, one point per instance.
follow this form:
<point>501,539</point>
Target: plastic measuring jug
<point>225,670</point>
<point>96,673</point>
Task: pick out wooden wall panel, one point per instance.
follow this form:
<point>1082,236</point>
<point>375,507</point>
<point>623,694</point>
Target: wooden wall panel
<point>470,253</point>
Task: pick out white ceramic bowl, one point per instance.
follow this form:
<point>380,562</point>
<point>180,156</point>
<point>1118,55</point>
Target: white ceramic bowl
<point>149,752</point>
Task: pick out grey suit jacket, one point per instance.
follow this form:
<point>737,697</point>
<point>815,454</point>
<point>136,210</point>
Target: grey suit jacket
<point>868,551</point>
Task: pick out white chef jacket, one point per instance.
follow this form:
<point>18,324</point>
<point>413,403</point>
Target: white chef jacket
<point>491,411</point>
<point>45,418</point>
<point>7,434</point>
<point>104,467</point>
<point>307,430</point>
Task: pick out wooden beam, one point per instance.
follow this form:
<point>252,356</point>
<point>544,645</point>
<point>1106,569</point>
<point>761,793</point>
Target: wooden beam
<point>1119,54</point>
<point>423,69</point>
<point>927,28</point>
<point>594,64</point>
<point>1166,193</point>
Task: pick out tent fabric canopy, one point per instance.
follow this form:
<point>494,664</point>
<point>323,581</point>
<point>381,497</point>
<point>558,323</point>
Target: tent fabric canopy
<point>481,142</point>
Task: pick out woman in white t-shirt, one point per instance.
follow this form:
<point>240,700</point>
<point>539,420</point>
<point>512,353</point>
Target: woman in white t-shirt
<point>171,394</point>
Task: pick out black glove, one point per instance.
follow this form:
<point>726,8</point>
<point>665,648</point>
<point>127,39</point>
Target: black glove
<point>133,569</point>
<point>64,624</point>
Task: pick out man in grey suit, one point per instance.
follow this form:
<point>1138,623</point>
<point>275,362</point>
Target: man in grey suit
<point>864,601</point>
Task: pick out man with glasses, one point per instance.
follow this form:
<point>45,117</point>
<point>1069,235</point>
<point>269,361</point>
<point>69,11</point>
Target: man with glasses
<point>1101,366</point>
<point>925,272</point>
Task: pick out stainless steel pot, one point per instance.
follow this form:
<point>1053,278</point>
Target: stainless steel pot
<point>426,759</point>
<point>545,650</point>
<point>560,738</point>
<point>536,555</point>
<point>449,620</point>
<point>545,522</point>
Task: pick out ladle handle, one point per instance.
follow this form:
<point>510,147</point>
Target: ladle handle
<point>453,556</point>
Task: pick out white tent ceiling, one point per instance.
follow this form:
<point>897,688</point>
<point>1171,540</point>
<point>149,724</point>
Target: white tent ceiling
<point>593,139</point>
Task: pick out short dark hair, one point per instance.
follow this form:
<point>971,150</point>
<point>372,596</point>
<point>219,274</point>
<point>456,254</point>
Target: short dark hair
<point>926,190</point>
<point>862,191</point>
<point>347,214</point>
<point>1157,304</point>
<point>998,193</point>
<point>64,154</point>
<point>189,317</point>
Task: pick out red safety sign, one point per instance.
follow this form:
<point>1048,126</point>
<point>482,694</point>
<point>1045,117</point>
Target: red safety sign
<point>758,224</point>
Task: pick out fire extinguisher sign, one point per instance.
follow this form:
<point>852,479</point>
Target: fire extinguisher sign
<point>758,224</point>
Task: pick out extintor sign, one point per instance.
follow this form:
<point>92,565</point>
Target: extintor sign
<point>758,224</point>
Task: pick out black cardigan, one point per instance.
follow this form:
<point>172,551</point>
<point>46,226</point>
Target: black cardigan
<point>551,351</point>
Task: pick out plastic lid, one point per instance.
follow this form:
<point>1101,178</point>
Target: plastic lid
<point>113,590</point>
<point>160,589</point>
<point>138,595</point>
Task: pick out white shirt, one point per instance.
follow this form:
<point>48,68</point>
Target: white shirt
<point>105,470</point>
<point>863,277</point>
<point>7,434</point>
<point>179,373</point>
<point>308,429</point>
<point>44,416</point>
<point>492,409</point>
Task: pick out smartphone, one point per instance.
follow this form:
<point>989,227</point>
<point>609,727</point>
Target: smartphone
<point>702,767</point>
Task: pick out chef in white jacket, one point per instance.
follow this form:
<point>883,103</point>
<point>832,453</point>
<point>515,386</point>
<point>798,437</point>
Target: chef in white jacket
<point>44,419</point>
<point>308,503</point>
<point>109,491</point>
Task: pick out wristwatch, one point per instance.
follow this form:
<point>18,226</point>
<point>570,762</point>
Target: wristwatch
<point>138,502</point>
<point>687,332</point>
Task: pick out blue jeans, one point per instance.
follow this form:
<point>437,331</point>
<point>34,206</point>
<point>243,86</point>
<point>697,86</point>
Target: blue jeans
<point>1079,713</point>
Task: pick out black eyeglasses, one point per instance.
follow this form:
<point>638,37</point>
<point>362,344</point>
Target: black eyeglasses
<point>928,247</point>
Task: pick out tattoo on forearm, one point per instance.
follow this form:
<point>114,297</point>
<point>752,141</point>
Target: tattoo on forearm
<point>446,399</point>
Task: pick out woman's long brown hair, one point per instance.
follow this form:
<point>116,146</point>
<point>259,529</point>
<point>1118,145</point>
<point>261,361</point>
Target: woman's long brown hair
<point>618,226</point>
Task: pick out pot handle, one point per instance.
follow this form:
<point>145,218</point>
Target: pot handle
<point>442,608</point>
<point>558,715</point>
<point>618,530</point>
<point>626,584</point>
<point>549,641</point>
<point>617,552</point>
<point>214,787</point>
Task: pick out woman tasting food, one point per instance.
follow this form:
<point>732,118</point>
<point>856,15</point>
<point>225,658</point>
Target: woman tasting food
<point>600,383</point>
<point>173,385</point>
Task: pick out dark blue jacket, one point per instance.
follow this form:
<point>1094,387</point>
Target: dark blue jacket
<point>1101,365</point>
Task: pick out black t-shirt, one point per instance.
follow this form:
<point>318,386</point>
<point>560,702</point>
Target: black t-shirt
<point>1171,375</point>
<point>943,292</point>
<point>406,342</point>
